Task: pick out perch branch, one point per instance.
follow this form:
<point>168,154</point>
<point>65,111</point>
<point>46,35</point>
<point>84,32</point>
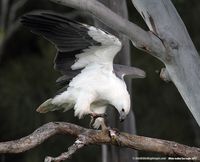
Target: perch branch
<point>96,137</point>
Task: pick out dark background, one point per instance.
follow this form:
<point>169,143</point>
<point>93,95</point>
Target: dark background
<point>27,79</point>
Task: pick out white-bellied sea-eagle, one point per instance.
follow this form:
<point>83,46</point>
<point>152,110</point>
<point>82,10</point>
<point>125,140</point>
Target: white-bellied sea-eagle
<point>85,58</point>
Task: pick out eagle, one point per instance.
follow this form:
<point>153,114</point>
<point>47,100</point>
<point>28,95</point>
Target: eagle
<point>85,59</point>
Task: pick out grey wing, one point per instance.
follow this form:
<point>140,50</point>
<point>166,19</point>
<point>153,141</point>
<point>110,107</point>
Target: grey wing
<point>70,37</point>
<point>122,70</point>
<point>75,42</point>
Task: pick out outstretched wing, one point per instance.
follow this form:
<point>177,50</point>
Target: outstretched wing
<point>78,45</point>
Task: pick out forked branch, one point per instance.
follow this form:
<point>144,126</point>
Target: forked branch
<point>96,137</point>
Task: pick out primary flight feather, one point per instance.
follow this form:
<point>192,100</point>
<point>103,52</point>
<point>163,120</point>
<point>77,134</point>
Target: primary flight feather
<point>85,58</point>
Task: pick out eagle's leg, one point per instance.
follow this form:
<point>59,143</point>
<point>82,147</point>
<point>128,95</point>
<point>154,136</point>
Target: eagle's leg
<point>98,120</point>
<point>94,116</point>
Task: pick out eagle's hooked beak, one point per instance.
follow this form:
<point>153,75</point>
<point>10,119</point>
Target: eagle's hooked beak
<point>122,115</point>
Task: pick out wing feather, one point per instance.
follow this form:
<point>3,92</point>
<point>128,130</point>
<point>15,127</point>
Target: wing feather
<point>122,70</point>
<point>78,44</point>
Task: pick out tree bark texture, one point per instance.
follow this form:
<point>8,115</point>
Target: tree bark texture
<point>86,137</point>
<point>180,57</point>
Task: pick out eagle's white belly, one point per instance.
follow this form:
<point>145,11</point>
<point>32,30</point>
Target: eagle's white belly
<point>95,84</point>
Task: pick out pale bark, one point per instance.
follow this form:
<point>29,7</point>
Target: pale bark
<point>181,58</point>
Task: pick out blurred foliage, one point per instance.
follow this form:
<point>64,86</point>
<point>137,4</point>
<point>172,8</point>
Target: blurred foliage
<point>27,79</point>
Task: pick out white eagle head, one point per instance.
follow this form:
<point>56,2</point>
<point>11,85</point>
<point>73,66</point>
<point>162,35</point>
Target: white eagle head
<point>123,107</point>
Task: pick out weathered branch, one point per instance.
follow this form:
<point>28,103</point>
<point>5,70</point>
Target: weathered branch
<point>78,144</point>
<point>182,60</point>
<point>96,137</point>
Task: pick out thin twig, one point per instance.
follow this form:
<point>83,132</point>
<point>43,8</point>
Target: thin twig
<point>66,155</point>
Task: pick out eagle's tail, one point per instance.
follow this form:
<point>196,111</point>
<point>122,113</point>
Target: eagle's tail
<point>46,106</point>
<point>49,106</point>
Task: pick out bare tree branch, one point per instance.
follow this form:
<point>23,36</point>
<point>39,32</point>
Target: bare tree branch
<point>78,144</point>
<point>182,60</point>
<point>96,137</point>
